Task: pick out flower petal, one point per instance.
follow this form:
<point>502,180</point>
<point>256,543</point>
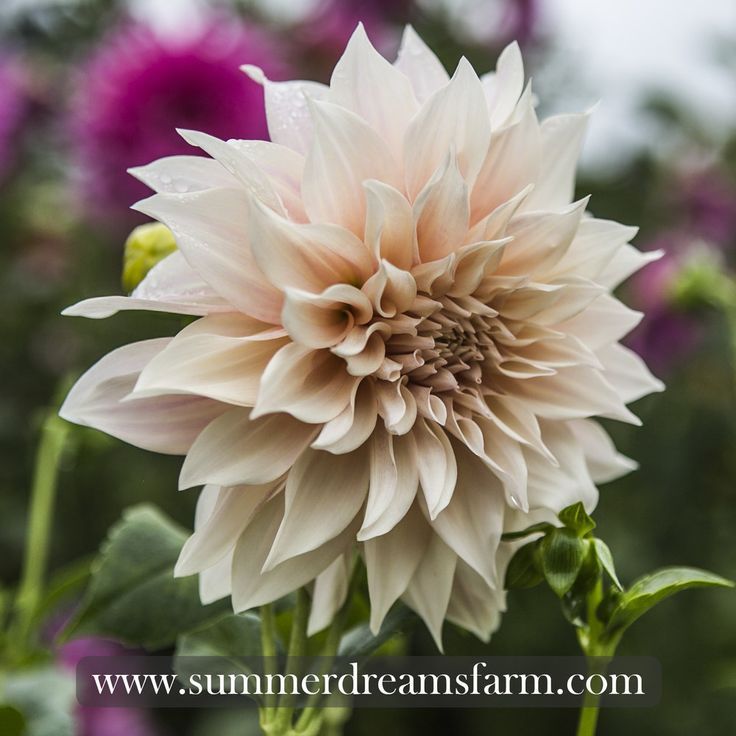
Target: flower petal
<point>420,64</point>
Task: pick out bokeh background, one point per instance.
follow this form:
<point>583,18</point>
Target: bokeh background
<point>89,88</point>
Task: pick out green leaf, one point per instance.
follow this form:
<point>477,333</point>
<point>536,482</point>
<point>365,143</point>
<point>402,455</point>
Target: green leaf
<point>576,518</point>
<point>650,589</point>
<point>12,722</point>
<point>523,570</point>
<point>46,697</point>
<point>542,526</point>
<point>606,559</point>
<point>360,642</point>
<point>561,555</point>
<point>133,595</point>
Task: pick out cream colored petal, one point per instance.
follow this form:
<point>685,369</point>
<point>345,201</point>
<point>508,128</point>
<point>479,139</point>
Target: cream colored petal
<point>353,426</point>
<point>493,225</point>
<point>287,112</point>
<point>453,118</point>
<point>309,256</point>
<point>437,466</point>
<point>320,321</point>
<point>562,140</point>
<point>323,495</point>
<point>397,406</point>
<point>420,65</point>
<point>167,424</point>
<point>604,462</point>
<point>329,594</point>
<point>368,85</point>
<point>504,87</point>
<point>606,320</point>
<point>627,261</point>
<point>345,153</point>
<point>391,561</point>
<point>311,385</point>
<point>211,233</point>
<point>473,605</point>
<point>215,582</point>
<point>236,449</point>
<point>392,291</point>
<point>442,212</point>
<point>215,357</point>
<point>429,591</point>
<point>383,477</point>
<point>474,262</point>
<point>510,166</point>
<point>628,373</point>
<point>250,586</point>
<point>389,225</point>
<point>394,507</point>
<point>215,536</point>
<point>177,174</point>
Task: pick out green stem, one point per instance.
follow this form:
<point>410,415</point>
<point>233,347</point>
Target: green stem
<point>54,433</point>
<point>329,652</point>
<point>268,650</point>
<point>588,716</point>
<point>297,649</point>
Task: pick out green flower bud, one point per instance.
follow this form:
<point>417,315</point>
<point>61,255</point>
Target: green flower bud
<point>145,247</point>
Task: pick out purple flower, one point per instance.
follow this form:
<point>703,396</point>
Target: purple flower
<point>666,334</point>
<point>103,721</point>
<point>520,21</point>
<point>708,201</point>
<point>139,86</point>
<point>14,105</point>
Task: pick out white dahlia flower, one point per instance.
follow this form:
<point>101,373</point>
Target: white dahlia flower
<point>404,328</point>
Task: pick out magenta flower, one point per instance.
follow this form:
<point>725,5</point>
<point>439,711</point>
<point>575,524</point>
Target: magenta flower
<point>14,105</point>
<point>139,86</point>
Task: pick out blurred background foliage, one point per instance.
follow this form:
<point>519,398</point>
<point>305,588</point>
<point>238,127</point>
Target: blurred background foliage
<point>91,87</point>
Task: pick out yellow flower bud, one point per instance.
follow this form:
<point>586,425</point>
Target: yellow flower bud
<point>145,247</point>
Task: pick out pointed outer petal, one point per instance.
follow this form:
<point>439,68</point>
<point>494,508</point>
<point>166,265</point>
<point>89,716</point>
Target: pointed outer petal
<point>172,285</point>
<point>345,152</point>
<point>251,586</point>
<point>428,593</point>
<point>540,240</point>
<point>391,561</point>
<point>308,256</point>
<point>604,462</point>
<point>503,88</point>
<point>472,523</point>
<point>474,262</point>
<point>215,582</point>
<point>235,450</point>
<point>218,357</point>
<point>429,405</point>
<point>391,290</point>
<point>473,605</point>
<point>368,85</point>
<point>211,233</point>
<point>555,488</point>
<point>396,507</point>
<point>389,225</point>
<point>627,261</point>
<point>323,495</point>
<point>562,140</point>
<point>442,212</point>
<point>419,63</point>
<point>437,465</point>
<point>329,593</point>
<point>396,405</point>
<point>176,174</point>
<point>595,245</point>
<point>353,426</point>
<point>512,417</point>
<point>606,320</point>
<point>511,164</point>
<point>383,476</point>
<point>550,307</point>
<point>628,373</point>
<point>320,321</point>
<point>311,385</point>
<point>217,535</point>
<point>166,424</point>
<point>287,112</point>
<point>493,226</point>
<point>239,165</point>
<point>453,118</point>
<point>284,169</point>
<point>577,392</point>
